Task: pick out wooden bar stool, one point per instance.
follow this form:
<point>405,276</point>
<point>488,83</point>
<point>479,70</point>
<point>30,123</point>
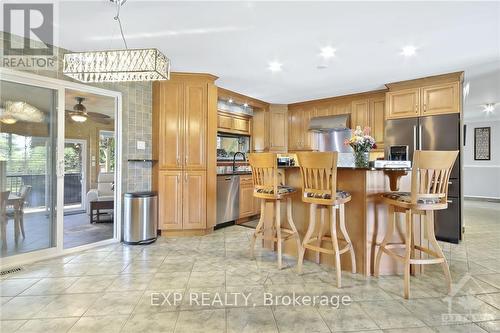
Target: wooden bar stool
<point>429,192</point>
<point>269,187</point>
<point>319,189</point>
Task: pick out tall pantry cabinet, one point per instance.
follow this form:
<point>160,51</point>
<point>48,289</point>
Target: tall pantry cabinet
<point>184,145</point>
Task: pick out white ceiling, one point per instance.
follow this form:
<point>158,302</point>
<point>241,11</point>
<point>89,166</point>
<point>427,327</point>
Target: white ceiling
<point>237,40</point>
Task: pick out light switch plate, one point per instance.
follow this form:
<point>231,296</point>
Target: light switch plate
<point>141,145</point>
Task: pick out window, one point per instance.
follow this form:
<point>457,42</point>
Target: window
<point>106,151</point>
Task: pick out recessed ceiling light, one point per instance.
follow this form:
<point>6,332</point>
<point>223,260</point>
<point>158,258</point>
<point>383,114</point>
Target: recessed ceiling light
<point>230,100</point>
<point>275,66</point>
<point>409,50</point>
<point>488,108</point>
<point>245,105</point>
<point>327,52</point>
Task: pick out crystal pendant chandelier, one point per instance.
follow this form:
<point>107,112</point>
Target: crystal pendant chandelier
<point>117,65</point>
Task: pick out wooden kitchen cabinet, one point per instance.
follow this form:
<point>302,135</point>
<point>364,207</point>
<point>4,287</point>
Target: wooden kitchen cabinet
<point>169,119</point>
<point>278,128</point>
<point>403,103</point>
<point>441,99</point>
<point>231,123</point>
<point>247,202</point>
<point>260,130</point>
<point>428,96</point>
<point>195,126</point>
<point>360,113</point>
<point>299,136</point>
<point>224,122</point>
<point>184,143</point>
<point>170,203</point>
<point>377,121</point>
<point>194,200</point>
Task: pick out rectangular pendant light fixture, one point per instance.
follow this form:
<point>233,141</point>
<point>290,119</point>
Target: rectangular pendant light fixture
<point>117,65</point>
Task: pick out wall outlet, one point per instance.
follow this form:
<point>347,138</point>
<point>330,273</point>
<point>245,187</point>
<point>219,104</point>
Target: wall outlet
<point>141,145</point>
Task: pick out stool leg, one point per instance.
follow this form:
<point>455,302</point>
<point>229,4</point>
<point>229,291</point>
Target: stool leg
<point>292,225</point>
<point>429,216</point>
<point>408,251</point>
<point>21,224</point>
<point>3,226</point>
<point>278,232</point>
<point>258,228</point>
<point>307,237</point>
<point>335,243</point>
<point>321,232</point>
<point>346,237</point>
<point>387,238</point>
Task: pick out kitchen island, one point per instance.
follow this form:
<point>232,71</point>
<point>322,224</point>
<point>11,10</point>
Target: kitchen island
<point>366,215</point>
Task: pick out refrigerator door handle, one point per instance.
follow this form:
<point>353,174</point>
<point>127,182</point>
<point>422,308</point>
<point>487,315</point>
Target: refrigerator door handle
<point>414,137</point>
<point>420,137</point>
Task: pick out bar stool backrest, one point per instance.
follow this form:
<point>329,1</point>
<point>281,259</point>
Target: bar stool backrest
<point>430,176</point>
<point>319,176</point>
<point>264,174</point>
<point>23,193</point>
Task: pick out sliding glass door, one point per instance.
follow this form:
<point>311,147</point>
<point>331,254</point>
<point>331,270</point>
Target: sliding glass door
<point>28,132</point>
<point>89,123</point>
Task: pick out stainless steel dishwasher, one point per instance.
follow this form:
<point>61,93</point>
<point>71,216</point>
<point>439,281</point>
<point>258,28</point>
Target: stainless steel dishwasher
<point>228,198</point>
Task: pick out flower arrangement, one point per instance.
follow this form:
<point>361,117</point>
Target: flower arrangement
<point>361,142</point>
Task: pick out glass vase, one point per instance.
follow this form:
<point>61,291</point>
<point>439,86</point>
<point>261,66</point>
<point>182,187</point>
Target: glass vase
<point>361,159</point>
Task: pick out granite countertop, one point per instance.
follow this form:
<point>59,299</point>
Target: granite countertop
<point>237,173</point>
<point>353,168</point>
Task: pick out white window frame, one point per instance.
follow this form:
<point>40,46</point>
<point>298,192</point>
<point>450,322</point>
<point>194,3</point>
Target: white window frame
<point>7,74</point>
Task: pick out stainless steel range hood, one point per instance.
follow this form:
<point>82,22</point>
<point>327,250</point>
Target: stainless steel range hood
<point>329,123</point>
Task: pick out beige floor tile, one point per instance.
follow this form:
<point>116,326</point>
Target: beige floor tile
<point>207,279</point>
<point>299,319</point>
<point>410,330</point>
<point>151,322</point>
<point>56,325</point>
<point>114,304</point>
<point>391,314</point>
<point>173,280</point>
<point>490,326</point>
<point>13,287</point>
<point>24,307</point>
<point>347,318</point>
<point>493,279</point>
<point>251,320</point>
<point>50,286</point>
<point>108,324</point>
<point>10,325</point>
<point>68,306</point>
<point>130,282</point>
<point>91,284</point>
<point>204,321</point>
<point>466,328</point>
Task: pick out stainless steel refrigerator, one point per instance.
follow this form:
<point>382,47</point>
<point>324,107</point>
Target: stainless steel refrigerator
<point>441,132</point>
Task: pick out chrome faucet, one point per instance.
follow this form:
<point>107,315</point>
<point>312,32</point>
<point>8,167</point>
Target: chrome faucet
<point>234,159</point>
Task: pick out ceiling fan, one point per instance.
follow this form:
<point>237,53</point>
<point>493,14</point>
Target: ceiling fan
<point>80,114</point>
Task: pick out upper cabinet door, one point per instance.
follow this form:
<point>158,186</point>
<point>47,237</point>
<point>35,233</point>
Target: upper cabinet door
<point>308,137</point>
<point>294,129</point>
<point>170,203</point>
<point>194,210</point>
<point>224,122</point>
<point>278,132</point>
<point>359,114</point>
<point>441,99</point>
<point>403,103</point>
<point>377,121</point>
<point>241,125</point>
<point>170,125</point>
<point>195,125</point>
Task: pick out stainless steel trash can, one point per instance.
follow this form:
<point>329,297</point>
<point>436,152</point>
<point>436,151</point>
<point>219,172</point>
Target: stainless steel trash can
<point>140,217</point>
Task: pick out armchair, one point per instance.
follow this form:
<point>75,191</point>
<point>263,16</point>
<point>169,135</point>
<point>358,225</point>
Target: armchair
<point>104,191</point>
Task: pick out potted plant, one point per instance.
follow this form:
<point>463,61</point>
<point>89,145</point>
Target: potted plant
<point>361,142</point>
